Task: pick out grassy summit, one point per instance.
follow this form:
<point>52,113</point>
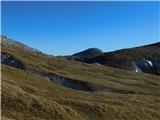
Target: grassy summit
<point>110,94</point>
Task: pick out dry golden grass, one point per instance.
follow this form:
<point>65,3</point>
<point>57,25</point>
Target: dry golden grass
<point>121,95</point>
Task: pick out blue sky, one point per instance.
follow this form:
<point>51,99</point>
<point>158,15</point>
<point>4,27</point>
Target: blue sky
<point>61,28</point>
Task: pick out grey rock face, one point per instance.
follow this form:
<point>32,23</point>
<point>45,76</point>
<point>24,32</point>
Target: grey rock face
<point>11,61</point>
<point>144,65</point>
<point>74,84</point>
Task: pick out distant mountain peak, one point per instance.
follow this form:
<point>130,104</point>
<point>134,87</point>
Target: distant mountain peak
<point>88,53</point>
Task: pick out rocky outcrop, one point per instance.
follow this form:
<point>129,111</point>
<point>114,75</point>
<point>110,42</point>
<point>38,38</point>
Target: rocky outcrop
<point>70,83</point>
<point>145,65</point>
<point>10,60</point>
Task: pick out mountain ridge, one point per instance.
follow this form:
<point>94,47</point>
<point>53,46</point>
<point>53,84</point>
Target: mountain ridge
<point>7,42</point>
<point>144,58</point>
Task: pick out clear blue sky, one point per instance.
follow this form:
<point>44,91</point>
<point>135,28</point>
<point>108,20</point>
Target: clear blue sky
<point>61,28</point>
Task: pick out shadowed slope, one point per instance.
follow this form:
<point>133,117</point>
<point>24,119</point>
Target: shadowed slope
<point>140,59</point>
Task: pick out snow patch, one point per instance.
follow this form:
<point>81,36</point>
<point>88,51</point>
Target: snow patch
<point>135,67</point>
<point>136,70</point>
<point>149,62</point>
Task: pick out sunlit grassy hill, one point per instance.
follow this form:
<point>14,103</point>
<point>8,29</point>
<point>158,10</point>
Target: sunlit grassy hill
<point>50,88</point>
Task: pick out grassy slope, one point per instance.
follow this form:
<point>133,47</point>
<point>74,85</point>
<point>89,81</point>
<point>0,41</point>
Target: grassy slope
<point>127,95</point>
